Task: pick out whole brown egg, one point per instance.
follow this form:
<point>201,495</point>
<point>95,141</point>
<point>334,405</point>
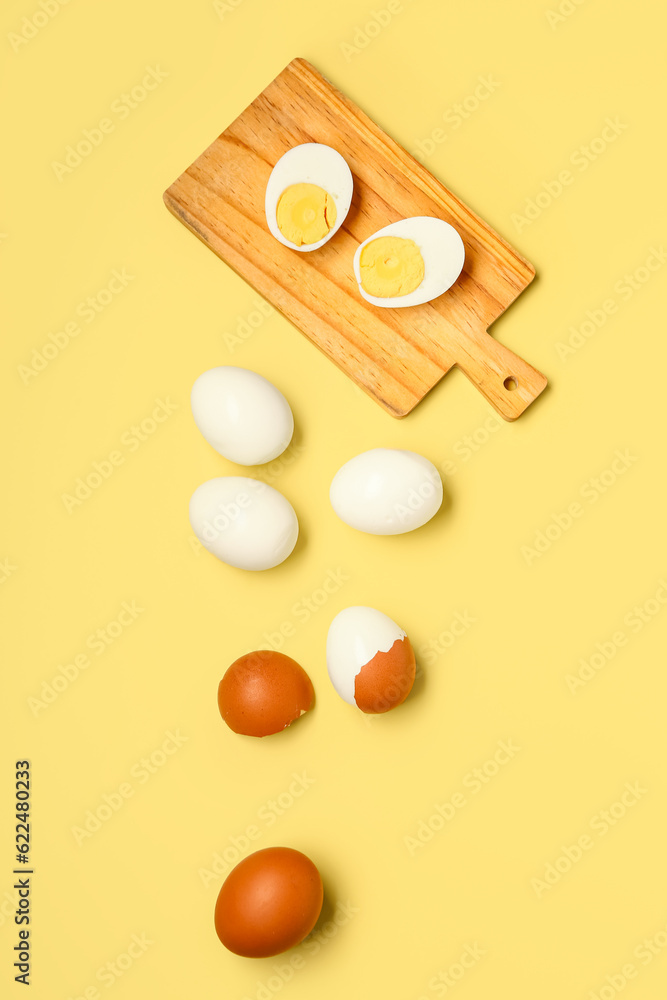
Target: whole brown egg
<point>268,903</point>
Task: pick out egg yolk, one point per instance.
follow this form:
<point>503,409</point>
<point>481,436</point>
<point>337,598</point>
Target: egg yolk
<point>391,266</point>
<point>305,213</point>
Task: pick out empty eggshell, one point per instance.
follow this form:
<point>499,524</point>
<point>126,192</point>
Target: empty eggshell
<point>263,692</point>
<point>244,522</point>
<point>268,903</point>
<point>369,659</point>
<point>242,415</point>
<point>386,491</point>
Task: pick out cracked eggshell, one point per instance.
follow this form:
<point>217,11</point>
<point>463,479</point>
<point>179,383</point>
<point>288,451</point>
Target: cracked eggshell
<point>369,659</point>
<point>310,163</point>
<point>244,522</point>
<point>263,692</point>
<point>386,491</point>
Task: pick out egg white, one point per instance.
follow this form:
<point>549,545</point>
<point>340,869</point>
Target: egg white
<point>441,248</point>
<point>355,636</point>
<point>310,163</point>
<point>244,522</point>
<point>386,491</point>
<point>241,414</point>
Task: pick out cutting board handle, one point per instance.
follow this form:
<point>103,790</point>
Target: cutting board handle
<point>509,383</point>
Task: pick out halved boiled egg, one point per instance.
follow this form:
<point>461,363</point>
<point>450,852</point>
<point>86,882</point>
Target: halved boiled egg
<point>409,262</point>
<point>308,196</point>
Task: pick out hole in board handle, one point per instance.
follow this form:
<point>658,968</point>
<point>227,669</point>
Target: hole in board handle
<point>511,383</point>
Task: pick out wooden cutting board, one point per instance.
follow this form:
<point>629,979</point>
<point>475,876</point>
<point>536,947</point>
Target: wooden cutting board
<point>396,355</point>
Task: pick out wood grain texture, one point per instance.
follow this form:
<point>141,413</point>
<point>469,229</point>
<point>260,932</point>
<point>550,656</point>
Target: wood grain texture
<point>396,355</point>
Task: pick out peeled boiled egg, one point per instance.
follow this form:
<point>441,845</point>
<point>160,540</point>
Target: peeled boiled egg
<point>268,903</point>
<point>308,196</point>
<point>386,491</point>
<point>242,415</point>
<point>263,692</point>
<point>244,522</point>
<point>409,262</point>
<point>369,659</point>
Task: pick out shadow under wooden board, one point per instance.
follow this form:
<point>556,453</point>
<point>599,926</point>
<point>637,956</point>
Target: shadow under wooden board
<point>395,355</point>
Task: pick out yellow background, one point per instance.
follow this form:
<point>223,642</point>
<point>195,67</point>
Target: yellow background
<point>411,913</point>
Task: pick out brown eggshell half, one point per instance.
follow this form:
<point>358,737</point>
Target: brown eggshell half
<point>386,680</point>
<point>268,903</point>
<point>263,692</point>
